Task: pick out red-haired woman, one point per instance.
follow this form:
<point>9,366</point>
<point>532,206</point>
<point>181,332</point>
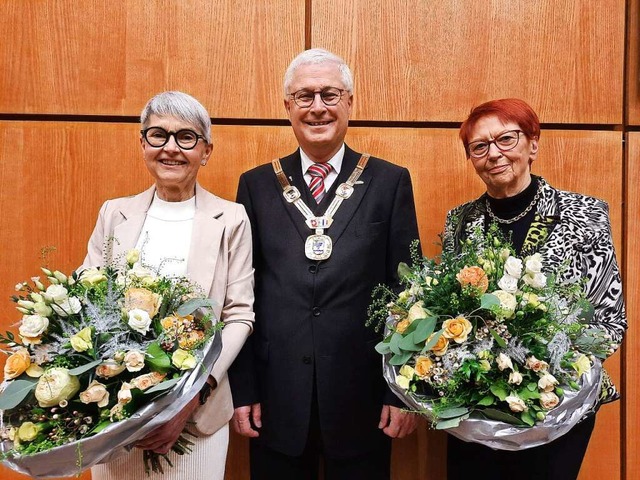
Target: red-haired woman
<point>500,138</point>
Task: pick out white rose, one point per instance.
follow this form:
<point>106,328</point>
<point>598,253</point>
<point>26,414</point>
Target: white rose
<point>508,283</point>
<point>33,325</point>
<point>535,280</point>
<point>513,267</point>
<point>139,320</point>
<point>145,275</point>
<point>504,362</point>
<point>56,293</point>
<point>516,404</point>
<point>547,382</point>
<point>548,400</point>
<point>533,264</point>
<point>515,378</point>
<point>416,312</point>
<point>134,360</point>
<point>69,306</point>
<point>508,303</point>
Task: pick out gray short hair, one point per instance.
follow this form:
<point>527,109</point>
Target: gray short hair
<point>180,105</point>
<point>317,56</point>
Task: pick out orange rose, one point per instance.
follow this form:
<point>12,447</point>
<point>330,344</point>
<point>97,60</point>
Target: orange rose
<point>441,346</point>
<point>457,329</point>
<point>189,339</point>
<point>17,363</point>
<point>474,277</point>
<point>402,325</point>
<point>143,299</point>
<point>423,366</point>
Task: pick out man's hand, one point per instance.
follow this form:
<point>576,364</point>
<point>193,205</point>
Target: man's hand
<point>162,438</point>
<point>242,418</point>
<point>396,423</point>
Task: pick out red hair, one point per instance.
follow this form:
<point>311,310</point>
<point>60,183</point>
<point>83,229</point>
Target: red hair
<point>507,110</point>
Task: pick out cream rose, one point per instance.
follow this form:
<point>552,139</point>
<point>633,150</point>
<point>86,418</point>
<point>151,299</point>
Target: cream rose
<point>134,360</point>
<point>513,267</point>
<point>133,256</point>
<point>124,394</point>
<point>533,264</point>
<point>33,325</point>
<point>516,404</point>
<point>508,283</point>
<point>92,277</point>
<point>549,400</point>
<point>55,386</point>
<point>508,304</point>
<point>504,362</point>
<point>407,371</point>
<point>81,341</point>
<point>147,380</point>
<point>139,320</point>
<point>96,392</point>
<point>457,329</point>
<point>547,382</point>
<point>17,363</point>
<point>536,280</point>
<point>109,369</point>
<point>28,431</point>
<point>515,378</point>
<point>183,360</point>
<point>582,364</point>
<point>536,365</point>
<point>143,274</point>
<point>417,312</point>
<point>69,306</point>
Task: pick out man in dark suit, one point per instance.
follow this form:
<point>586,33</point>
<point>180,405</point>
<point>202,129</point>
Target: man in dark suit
<point>308,384</point>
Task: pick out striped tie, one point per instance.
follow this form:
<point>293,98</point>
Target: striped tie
<point>318,172</point>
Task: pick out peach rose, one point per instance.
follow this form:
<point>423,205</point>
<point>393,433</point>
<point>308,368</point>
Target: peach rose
<point>96,392</point>
<point>17,363</point>
<point>147,380</point>
<point>109,369</point>
<point>423,366</point>
<point>457,329</point>
<point>441,346</point>
<point>475,277</point>
<point>142,299</point>
<point>536,365</point>
<point>549,400</point>
<point>402,325</point>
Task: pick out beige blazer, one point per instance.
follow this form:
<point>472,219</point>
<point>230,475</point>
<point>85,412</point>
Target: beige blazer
<point>220,261</point>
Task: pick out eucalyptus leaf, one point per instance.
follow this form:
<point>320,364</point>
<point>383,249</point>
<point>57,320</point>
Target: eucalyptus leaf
<point>499,340</point>
<point>401,359</point>
<point>383,348</point>
<point>16,392</point>
<point>453,412</point>
<point>489,300</point>
<point>451,422</point>
<point>84,368</point>
<point>432,342</point>
<point>393,343</point>
<point>501,416</point>
<point>190,306</point>
<point>408,344</point>
<point>424,329</point>
<point>161,387</point>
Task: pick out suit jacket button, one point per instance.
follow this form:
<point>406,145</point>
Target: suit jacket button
<point>313,269</point>
<point>316,311</point>
<point>306,360</point>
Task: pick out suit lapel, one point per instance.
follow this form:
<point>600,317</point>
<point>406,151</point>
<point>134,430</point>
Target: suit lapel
<point>126,234</point>
<point>206,239</point>
<point>349,206</point>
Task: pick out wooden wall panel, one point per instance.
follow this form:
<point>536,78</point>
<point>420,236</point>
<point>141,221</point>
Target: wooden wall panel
<point>632,287</point>
<point>101,57</point>
<point>633,62</point>
<point>417,60</point>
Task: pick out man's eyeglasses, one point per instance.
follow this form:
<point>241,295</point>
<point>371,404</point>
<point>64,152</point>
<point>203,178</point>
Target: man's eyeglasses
<point>504,142</point>
<point>158,137</point>
<point>329,95</point>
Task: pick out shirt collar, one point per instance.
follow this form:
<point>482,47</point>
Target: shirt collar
<point>335,161</point>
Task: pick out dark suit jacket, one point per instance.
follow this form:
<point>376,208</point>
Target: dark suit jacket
<point>310,315</point>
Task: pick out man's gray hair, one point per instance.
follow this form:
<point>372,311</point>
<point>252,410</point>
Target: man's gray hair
<point>179,105</point>
<point>318,56</point>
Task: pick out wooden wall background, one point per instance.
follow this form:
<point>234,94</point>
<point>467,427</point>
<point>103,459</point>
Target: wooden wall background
<point>74,76</point>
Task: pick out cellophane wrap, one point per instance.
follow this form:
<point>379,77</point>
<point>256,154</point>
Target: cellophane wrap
<point>72,458</point>
<point>504,436</point>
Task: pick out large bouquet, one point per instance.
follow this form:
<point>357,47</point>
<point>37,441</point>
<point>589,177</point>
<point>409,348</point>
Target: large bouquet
<point>486,345</point>
<point>102,358</point>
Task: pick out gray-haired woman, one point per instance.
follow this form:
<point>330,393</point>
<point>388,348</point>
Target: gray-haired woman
<point>207,239</point>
